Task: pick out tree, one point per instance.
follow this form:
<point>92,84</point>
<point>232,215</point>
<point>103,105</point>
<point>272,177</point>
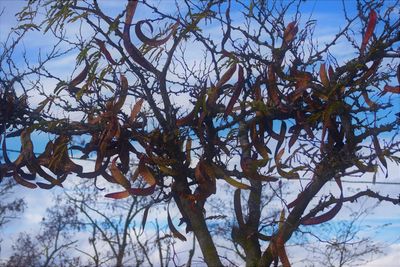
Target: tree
<point>266,96</point>
<point>52,245</point>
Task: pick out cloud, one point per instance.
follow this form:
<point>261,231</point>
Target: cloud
<point>391,259</point>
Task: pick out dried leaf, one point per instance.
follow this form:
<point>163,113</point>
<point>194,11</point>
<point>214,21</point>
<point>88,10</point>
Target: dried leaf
<point>136,109</point>
<point>290,32</point>
<point>22,181</point>
<point>236,183</point>
<point>378,151</point>
<point>238,207</point>
<point>174,231</point>
<point>146,174</point>
<point>81,76</point>
<point>144,218</point>
<point>226,76</point>
<point>323,76</point>
<point>236,93</point>
<point>188,151</point>
<point>130,48</point>
<point>118,176</point>
<point>369,31</point>
<point>118,195</point>
<point>105,52</point>
<point>147,191</point>
<point>153,41</point>
<point>187,120</point>
<point>330,214</point>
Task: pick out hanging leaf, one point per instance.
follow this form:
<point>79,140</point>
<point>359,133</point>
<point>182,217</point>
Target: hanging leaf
<point>369,31</point>
<point>118,195</point>
<point>136,109</point>
<point>174,231</point>
<point>146,191</point>
<point>323,76</point>
<point>105,52</point>
<point>227,75</point>
<point>236,183</point>
<point>118,176</point>
<point>144,218</point>
<point>153,41</point>
<point>133,52</point>
<point>22,181</point>
<point>331,213</point>
<point>290,32</point>
<point>122,96</point>
<point>188,151</point>
<point>81,76</point>
<point>236,92</point>
<point>238,208</point>
<point>146,174</point>
<point>378,151</point>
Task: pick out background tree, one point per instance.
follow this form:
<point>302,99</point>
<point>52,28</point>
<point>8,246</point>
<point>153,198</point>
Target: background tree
<point>52,245</point>
<point>263,88</point>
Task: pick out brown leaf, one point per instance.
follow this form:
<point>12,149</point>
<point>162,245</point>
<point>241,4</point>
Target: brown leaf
<point>118,195</point>
<point>105,52</point>
<point>133,52</point>
<point>236,93</point>
<point>81,76</point>
<point>174,231</point>
<point>118,176</point>
<point>153,41</point>
<point>147,191</point>
<point>290,32</point>
<point>238,207</point>
<point>369,31</point>
<point>378,151</point>
<point>227,75</point>
<point>323,76</point>
<point>22,181</point>
<point>186,120</point>
<point>146,174</point>
<point>391,89</point>
<point>136,109</point>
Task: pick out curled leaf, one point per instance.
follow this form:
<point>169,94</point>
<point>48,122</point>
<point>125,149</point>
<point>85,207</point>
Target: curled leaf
<point>330,214</point>
<point>81,76</point>
<point>22,181</point>
<point>153,41</point>
<point>105,52</point>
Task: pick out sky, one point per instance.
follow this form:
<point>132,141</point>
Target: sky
<point>329,20</point>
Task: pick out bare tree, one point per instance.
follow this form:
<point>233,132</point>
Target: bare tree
<point>52,245</point>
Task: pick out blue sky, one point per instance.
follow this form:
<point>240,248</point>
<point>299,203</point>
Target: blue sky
<point>329,19</point>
